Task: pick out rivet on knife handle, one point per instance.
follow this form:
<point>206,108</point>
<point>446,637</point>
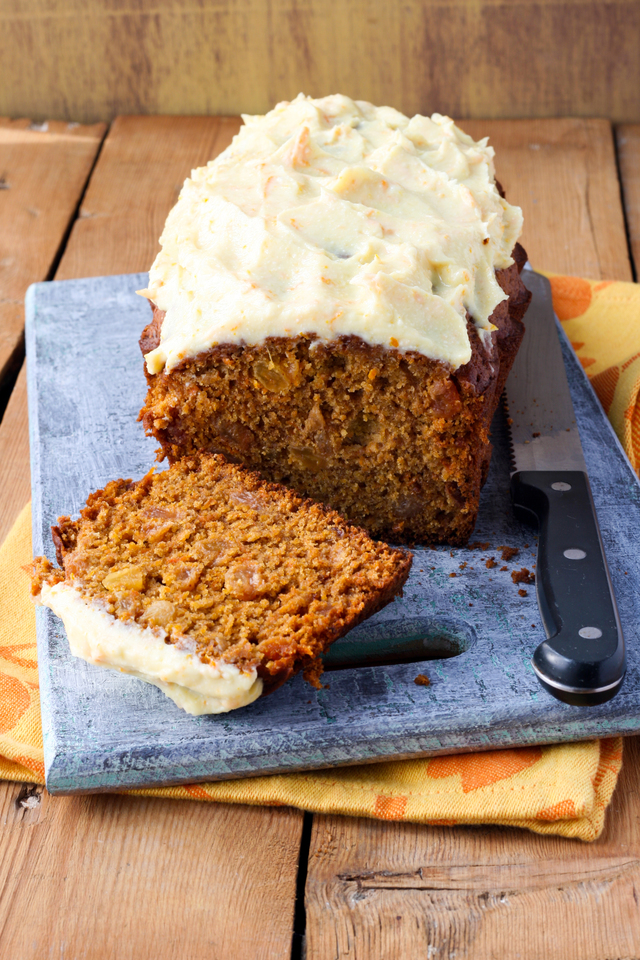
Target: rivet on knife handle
<point>583,660</point>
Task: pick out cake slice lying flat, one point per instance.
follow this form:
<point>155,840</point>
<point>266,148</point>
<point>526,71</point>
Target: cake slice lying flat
<point>212,584</point>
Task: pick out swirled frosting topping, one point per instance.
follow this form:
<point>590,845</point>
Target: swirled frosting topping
<point>334,217</point>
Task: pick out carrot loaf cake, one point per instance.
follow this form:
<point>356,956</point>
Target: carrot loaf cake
<point>337,303</point>
<point>210,583</point>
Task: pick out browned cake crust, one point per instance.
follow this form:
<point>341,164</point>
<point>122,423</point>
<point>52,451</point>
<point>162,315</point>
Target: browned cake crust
<point>249,571</point>
<point>398,443</point>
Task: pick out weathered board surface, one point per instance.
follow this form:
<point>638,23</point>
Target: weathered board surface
<point>43,170</point>
<point>118,876</point>
<point>628,143</point>
<point>402,891</point>
<point>468,58</point>
<point>86,387</point>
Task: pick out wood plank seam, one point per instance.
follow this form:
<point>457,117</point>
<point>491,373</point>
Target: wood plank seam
<point>75,215</point>
<point>11,369</point>
<point>623,204</point>
<point>627,142</point>
<point>9,374</point>
<point>23,135</point>
<point>298,936</point>
<point>134,877</point>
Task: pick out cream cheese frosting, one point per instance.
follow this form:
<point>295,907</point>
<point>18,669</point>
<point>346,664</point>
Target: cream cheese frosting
<point>100,638</point>
<point>334,217</point>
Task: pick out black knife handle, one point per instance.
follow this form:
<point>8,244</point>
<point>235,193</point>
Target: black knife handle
<point>583,660</point>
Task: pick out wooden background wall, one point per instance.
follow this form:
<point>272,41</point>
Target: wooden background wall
<point>89,60</point>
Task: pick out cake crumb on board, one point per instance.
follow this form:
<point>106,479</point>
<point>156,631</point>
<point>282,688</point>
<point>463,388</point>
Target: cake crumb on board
<point>508,553</point>
<point>523,576</point>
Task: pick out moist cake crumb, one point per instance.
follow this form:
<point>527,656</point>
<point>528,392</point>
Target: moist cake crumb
<point>214,561</point>
<point>523,576</point>
<point>508,553</point>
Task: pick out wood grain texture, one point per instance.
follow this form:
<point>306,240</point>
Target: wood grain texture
<point>563,174</point>
<point>137,178</point>
<point>89,59</point>
<point>143,879</point>
<point>397,891</point>
<point>15,479</point>
<point>103,877</point>
<point>628,141</point>
<point>43,171</point>
<point>142,166</point>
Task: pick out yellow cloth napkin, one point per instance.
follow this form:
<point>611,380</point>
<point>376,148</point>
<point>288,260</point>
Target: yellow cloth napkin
<point>602,321</point>
<point>561,789</point>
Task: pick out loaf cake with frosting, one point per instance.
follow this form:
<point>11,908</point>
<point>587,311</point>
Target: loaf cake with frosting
<point>337,303</point>
<point>210,583</point>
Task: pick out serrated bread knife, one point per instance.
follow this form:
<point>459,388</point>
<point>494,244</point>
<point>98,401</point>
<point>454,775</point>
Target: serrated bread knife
<point>582,661</point>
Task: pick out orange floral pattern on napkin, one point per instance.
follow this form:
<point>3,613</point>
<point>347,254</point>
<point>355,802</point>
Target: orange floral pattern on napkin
<point>602,320</point>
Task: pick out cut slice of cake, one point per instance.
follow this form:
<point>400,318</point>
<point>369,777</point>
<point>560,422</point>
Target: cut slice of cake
<point>211,583</point>
<point>337,304</point>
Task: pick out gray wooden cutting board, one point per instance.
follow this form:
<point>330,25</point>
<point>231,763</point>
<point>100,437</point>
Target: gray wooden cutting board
<point>104,730</point>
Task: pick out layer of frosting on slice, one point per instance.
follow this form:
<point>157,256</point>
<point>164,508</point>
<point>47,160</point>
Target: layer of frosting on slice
<point>100,638</point>
<point>334,217</point>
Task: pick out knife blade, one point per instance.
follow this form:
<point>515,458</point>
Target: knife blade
<point>582,661</point>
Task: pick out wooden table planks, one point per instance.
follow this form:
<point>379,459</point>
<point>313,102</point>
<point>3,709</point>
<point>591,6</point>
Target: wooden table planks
<point>91,59</point>
<point>396,891</point>
<point>134,878</point>
<point>137,179</point>
<point>128,878</point>
<point>15,480</point>
<point>43,172</point>
<point>628,141</point>
<point>563,174</point>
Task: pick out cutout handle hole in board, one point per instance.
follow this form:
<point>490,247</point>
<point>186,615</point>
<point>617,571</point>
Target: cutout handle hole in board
<point>410,640</point>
